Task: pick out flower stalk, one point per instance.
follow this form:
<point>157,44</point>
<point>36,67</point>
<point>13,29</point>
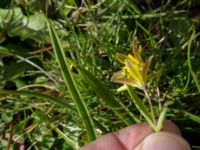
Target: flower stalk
<point>150,106</point>
<point>135,74</point>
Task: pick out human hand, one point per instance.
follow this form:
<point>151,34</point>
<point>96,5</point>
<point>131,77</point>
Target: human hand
<point>141,137</point>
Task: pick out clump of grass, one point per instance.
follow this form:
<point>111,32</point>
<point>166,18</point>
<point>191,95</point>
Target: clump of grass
<point>37,109</point>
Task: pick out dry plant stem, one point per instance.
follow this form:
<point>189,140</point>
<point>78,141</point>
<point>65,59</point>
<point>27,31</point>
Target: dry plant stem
<point>41,50</point>
<point>150,105</point>
<point>10,136</point>
<point>159,100</point>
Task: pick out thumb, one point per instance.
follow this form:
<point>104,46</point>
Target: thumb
<point>163,141</point>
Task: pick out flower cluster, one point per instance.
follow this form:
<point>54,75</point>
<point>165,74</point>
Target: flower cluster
<point>134,73</point>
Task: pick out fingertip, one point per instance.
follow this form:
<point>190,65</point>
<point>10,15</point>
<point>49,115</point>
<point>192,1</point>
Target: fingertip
<point>164,141</point>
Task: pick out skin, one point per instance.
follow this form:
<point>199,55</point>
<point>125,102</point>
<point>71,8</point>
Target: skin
<point>128,138</point>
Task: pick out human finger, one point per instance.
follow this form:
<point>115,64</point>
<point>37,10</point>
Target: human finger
<point>163,141</point>
<point>128,138</point>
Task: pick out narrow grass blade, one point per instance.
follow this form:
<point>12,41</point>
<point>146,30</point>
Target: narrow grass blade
<point>188,80</point>
<point>153,42</point>
<point>52,99</point>
<point>192,117</point>
<point>133,6</point>
<point>124,113</point>
<point>189,61</point>
<point>70,143</point>
<point>141,107</point>
<point>189,115</point>
<point>100,126</point>
<point>40,96</point>
<point>64,66</point>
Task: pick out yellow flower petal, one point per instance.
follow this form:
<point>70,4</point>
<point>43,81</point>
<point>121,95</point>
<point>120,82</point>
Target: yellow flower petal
<point>128,82</point>
<point>146,68</point>
<point>138,56</point>
<point>117,75</point>
<point>133,60</point>
<point>121,58</point>
<point>134,71</point>
<point>134,44</point>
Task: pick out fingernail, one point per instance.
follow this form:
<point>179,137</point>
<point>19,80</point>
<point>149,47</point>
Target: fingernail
<point>164,141</point>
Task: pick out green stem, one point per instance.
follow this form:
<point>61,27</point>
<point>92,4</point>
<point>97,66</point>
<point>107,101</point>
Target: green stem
<point>150,105</point>
<point>141,107</point>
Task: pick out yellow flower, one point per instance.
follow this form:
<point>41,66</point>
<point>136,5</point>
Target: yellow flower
<point>134,73</point>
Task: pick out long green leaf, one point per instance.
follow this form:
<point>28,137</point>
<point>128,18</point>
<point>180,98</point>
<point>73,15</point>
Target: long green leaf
<point>64,66</point>
<point>124,113</point>
<point>193,117</point>
<point>189,61</point>
<point>141,107</point>
<point>133,6</point>
<point>40,96</point>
